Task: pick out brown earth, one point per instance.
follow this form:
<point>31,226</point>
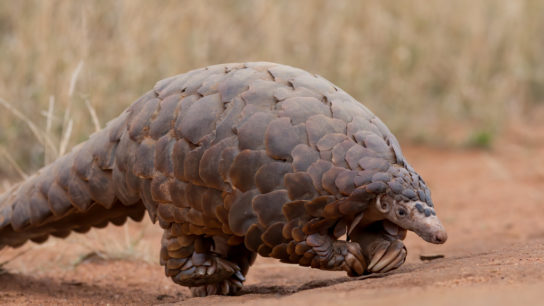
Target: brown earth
<point>491,202</point>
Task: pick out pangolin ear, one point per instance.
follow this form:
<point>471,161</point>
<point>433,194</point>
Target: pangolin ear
<point>382,206</point>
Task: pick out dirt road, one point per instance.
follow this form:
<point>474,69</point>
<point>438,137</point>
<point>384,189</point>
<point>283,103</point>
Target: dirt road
<point>491,202</point>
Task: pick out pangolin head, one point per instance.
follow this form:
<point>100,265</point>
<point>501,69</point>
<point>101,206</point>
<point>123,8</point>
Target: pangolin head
<point>404,203</point>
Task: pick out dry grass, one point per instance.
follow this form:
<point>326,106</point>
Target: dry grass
<point>444,72</point>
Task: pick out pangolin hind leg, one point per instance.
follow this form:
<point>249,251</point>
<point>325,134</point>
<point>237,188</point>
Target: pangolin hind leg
<point>382,247</point>
<point>238,255</point>
<point>208,265</point>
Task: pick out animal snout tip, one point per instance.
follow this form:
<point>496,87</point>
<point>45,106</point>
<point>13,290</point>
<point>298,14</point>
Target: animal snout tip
<point>440,237</point>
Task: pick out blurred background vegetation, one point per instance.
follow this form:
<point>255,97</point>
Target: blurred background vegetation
<point>451,73</point>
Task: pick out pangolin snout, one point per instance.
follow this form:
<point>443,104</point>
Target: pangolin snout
<point>433,231</point>
<point>430,229</point>
<point>439,237</point>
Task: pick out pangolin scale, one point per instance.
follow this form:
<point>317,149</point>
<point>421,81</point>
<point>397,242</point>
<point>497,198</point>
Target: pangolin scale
<point>233,161</point>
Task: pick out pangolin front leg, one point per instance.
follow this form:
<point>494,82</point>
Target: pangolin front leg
<point>208,265</point>
<point>318,250</point>
<point>382,246</point>
<point>324,252</point>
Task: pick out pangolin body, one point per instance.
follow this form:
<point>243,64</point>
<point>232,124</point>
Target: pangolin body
<point>234,160</point>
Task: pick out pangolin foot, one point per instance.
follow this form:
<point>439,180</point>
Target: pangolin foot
<point>228,286</point>
<point>208,274</point>
<point>354,261</point>
<point>386,256</point>
<point>336,255</point>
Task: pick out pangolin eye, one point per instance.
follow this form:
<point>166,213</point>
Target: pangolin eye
<point>401,212</point>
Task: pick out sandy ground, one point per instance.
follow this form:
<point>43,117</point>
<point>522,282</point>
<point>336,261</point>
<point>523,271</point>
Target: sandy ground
<point>491,203</point>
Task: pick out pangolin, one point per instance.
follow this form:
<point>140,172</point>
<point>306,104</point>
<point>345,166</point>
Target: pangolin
<point>236,160</point>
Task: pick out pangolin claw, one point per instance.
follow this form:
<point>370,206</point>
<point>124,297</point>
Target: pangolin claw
<point>379,250</point>
<point>225,287</point>
<point>355,261</point>
<point>211,269</point>
<point>238,275</point>
<point>397,262</point>
<point>388,255</point>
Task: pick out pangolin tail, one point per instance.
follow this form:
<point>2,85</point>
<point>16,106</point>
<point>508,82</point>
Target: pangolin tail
<point>88,187</point>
